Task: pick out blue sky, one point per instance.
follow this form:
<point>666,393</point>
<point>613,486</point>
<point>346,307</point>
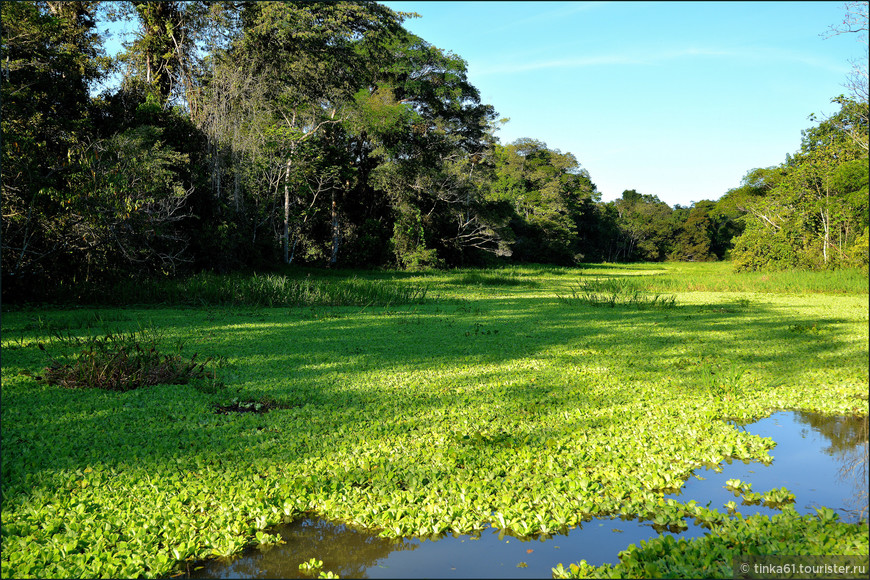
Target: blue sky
<point>675,99</point>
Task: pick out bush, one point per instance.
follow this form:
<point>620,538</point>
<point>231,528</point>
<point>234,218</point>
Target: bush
<point>757,250</point>
<point>119,362</point>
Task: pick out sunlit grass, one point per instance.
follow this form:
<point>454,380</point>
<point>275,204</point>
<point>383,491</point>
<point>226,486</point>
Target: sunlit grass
<point>489,403</point>
<point>720,277</point>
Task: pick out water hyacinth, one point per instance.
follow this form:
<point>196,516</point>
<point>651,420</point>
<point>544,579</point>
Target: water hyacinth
<point>408,416</point>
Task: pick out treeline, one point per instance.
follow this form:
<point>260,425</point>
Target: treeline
<point>250,134</point>
<point>810,212</point>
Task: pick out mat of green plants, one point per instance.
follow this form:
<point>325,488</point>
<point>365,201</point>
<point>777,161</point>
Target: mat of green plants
<point>139,439</point>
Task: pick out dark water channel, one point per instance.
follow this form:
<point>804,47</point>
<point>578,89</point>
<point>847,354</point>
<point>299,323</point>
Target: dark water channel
<point>822,460</point>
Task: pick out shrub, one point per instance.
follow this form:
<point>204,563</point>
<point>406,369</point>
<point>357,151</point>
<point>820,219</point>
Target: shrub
<point>122,362</point>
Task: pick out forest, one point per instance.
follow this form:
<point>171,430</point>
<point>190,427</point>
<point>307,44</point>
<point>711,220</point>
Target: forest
<point>276,293</point>
<point>246,135</point>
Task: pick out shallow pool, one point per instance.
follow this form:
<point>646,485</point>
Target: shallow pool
<point>821,459</point>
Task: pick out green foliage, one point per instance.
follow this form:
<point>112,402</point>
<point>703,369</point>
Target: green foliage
<point>645,226</point>
<point>859,253</point>
<point>758,250</point>
<point>409,244</point>
<point>721,277</point>
<point>696,238</point>
<point>778,497</point>
<point>738,486</point>
<point>50,53</point>
<point>549,195</point>
<point>493,278</point>
<point>615,292</point>
<point>506,408</point>
<point>562,413</point>
<point>120,362</point>
<point>713,556</point>
<point>262,290</point>
<point>134,201</point>
<point>312,566</point>
<point>327,134</point>
<point>813,213</point>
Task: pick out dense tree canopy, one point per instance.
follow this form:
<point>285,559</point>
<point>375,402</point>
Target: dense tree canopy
<point>811,211</point>
<point>247,134</point>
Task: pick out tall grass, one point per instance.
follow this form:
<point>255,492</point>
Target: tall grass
<point>125,361</point>
<point>614,292</point>
<point>721,278</point>
<point>493,277</point>
<point>266,290</point>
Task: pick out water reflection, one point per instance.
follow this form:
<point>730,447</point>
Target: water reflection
<point>489,554</point>
<point>344,550</point>
<point>848,444</point>
<point>821,459</point>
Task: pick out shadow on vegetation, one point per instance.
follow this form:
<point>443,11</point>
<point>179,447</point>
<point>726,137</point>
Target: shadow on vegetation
<point>313,360</point>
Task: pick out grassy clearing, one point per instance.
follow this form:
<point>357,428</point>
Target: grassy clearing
<point>720,277</point>
<point>494,404</point>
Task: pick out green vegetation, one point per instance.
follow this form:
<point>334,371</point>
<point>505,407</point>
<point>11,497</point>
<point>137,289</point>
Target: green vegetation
<point>262,134</point>
<point>311,565</point>
<point>786,534</point>
<point>612,292</point>
<point>296,288</point>
<point>280,135</point>
<point>720,277</point>
<point>119,362</point>
<point>810,212</point>
<point>488,404</point>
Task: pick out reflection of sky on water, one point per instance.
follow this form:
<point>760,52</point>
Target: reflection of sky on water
<point>822,460</point>
<point>809,458</point>
<point>487,555</point>
<point>849,446</point>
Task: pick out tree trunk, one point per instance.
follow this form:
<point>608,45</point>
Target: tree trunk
<point>827,239</point>
<point>336,232</point>
<point>237,181</point>
<point>216,172</point>
<point>287,213</point>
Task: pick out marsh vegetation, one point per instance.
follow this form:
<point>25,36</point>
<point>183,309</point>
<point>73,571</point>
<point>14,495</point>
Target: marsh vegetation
<point>188,362</point>
<point>487,401</point>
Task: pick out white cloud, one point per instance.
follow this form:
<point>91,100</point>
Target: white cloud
<point>564,10</point>
<point>755,54</point>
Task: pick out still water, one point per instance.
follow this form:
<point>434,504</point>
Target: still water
<point>822,460</point>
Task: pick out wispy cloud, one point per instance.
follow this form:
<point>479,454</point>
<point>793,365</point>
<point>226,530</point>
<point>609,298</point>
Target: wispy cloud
<point>595,60</point>
<point>560,13</point>
<point>638,58</point>
<point>581,62</point>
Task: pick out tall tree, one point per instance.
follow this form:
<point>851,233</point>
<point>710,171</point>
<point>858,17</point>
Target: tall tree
<point>645,226</point>
<point>50,56</point>
<point>165,57</point>
<point>855,22</point>
<point>815,212</point>
<point>307,54</point>
<point>432,153</point>
<point>694,235</point>
<point>549,193</point>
